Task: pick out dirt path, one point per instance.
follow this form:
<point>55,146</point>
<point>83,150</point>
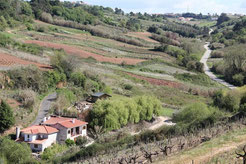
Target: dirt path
<point>85,54</point>
<point>161,121</point>
<point>207,70</point>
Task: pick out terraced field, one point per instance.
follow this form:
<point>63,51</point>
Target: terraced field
<point>7,60</point>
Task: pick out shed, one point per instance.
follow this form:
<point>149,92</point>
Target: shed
<point>99,95</point>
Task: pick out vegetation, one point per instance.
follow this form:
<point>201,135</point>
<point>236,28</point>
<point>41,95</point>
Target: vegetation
<point>7,118</point>
<point>116,114</point>
<point>13,152</point>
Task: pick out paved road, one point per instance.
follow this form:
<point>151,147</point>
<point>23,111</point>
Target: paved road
<point>207,70</point>
<point>44,108</point>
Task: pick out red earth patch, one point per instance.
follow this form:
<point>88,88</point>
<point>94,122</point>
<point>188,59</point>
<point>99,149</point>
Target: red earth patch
<point>84,54</point>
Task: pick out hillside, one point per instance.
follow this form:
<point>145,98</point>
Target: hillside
<point>148,63</point>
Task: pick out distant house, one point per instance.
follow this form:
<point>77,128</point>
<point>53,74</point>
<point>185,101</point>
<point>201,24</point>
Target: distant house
<point>53,129</point>
<point>98,96</point>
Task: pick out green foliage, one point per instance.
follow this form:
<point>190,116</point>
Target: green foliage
<point>113,114</point>
<point>228,101</point>
<point>62,63</point>
<point>81,141</point>
<point>222,18</point>
<point>69,142</point>
<point>107,90</point>
<point>196,113</point>
<point>78,79</point>
<point>6,116</point>
<point>50,152</point>
<point>27,78</point>
<point>199,79</point>
<point>69,95</point>
<point>15,152</point>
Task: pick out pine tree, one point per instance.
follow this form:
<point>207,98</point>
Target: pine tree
<point>6,116</point>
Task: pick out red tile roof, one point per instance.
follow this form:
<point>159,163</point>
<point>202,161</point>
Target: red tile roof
<point>66,122</point>
<point>37,129</point>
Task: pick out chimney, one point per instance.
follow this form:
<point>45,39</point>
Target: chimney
<point>48,118</point>
<point>17,132</point>
<point>73,120</point>
<point>44,119</point>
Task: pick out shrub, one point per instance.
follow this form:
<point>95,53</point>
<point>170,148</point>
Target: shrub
<point>15,152</point>
<point>78,79</point>
<point>50,152</point>
<point>217,54</point>
<point>81,141</point>
<point>27,98</point>
<point>69,142</point>
<point>128,86</point>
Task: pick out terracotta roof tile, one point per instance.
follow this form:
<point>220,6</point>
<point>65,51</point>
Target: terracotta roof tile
<point>66,122</point>
<point>36,129</point>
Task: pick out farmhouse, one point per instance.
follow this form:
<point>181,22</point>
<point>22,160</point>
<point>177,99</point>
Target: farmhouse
<point>98,96</point>
<point>52,129</point>
<point>38,137</point>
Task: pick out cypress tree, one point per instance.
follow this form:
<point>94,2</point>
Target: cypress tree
<point>6,116</point>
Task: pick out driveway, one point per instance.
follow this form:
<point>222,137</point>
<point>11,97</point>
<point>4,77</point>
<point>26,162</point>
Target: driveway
<point>207,70</point>
<point>44,108</point>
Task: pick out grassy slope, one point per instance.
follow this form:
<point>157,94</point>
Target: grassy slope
<point>211,151</point>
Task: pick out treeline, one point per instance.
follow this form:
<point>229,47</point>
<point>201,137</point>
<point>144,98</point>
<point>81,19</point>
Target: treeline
<point>94,30</point>
<point>184,30</point>
<point>114,114</point>
<point>233,67</point>
<point>186,52</point>
<point>14,13</point>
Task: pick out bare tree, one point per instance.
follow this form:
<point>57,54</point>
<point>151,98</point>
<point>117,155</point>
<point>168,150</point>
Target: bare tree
<point>148,154</point>
<point>164,147</point>
<point>242,155</point>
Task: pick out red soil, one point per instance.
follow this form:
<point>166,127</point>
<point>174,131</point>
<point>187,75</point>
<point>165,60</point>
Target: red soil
<point>157,81</point>
<point>84,54</point>
<point>9,60</point>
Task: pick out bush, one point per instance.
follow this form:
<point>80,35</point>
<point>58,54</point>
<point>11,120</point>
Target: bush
<point>69,142</point>
<point>81,141</point>
<point>15,152</point>
<point>50,152</point>
<point>217,54</point>
<point>78,79</point>
<point>128,87</point>
<point>196,112</point>
<point>27,98</point>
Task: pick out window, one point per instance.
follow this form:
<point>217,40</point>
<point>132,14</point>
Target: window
<point>28,136</point>
<point>35,146</point>
<point>41,136</point>
<point>68,132</point>
<point>84,127</point>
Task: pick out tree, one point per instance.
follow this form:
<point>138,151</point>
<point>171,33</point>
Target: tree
<point>15,152</point>
<point>6,116</point>
<point>222,18</point>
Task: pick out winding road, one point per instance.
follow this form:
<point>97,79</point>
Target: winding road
<point>207,70</point>
<point>44,108</point>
